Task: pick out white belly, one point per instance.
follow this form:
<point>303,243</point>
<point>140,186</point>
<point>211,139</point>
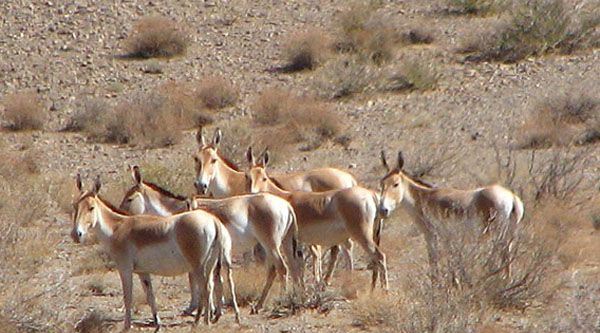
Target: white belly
<point>325,233</point>
<point>242,237</point>
<point>161,259</point>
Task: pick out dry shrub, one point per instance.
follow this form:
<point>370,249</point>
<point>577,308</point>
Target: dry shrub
<point>216,92</point>
<point>363,32</point>
<point>188,104</point>
<point>305,50</point>
<point>535,27</point>
<point>294,119</point>
<point>89,117</point>
<point>24,111</point>
<point>97,262</point>
<point>413,75</point>
<point>236,141</point>
<point>156,36</point>
<point>153,119</point>
<point>468,283</point>
<point>475,7</point>
<point>345,77</point>
<point>562,120</point>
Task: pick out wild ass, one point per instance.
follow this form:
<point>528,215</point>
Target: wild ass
<point>191,242</point>
<point>330,218</point>
<point>487,205</point>
<point>251,219</point>
<point>218,177</point>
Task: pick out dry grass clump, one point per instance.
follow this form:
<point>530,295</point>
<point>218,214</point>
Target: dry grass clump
<point>413,75</point>
<point>345,77</point>
<point>535,27</point>
<point>23,111</point>
<point>418,35</point>
<point>216,92</point>
<point>94,322</point>
<point>475,7</point>
<point>363,32</point>
<point>561,121</point>
<point>376,310</point>
<point>294,119</point>
<point>156,36</point>
<point>305,50</point>
<point>249,281</point>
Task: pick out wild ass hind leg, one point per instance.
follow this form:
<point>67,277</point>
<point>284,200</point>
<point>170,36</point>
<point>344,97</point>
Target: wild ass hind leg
<point>333,255</point>
<point>189,311</point>
<point>268,283</point>
<point>228,268</point>
<point>147,286</point>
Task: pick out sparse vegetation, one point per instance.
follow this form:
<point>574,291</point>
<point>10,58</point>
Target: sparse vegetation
<point>24,111</point>
<point>561,121</point>
<point>418,35</point>
<point>345,77</point>
<point>535,27</point>
<point>156,36</point>
<point>216,92</point>
<point>153,119</point>
<point>305,50</point>
<point>294,119</point>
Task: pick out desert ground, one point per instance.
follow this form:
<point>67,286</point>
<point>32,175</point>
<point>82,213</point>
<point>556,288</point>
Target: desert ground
<point>472,92</point>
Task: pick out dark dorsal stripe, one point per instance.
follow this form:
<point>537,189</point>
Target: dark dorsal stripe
<point>277,183</point>
<point>228,162</point>
<point>111,206</point>
<point>164,191</point>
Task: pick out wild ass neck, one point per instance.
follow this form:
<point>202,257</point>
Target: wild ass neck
<point>227,182</point>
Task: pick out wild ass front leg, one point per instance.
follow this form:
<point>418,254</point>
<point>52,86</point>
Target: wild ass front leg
<point>147,285</point>
<point>127,283</point>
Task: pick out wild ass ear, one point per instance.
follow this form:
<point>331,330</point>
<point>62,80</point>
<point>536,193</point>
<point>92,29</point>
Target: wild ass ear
<point>79,183</point>
<point>250,156</point>
<point>265,157</point>
<point>400,160</point>
<point>189,203</point>
<point>384,161</point>
<point>217,137</point>
<point>200,137</point>
<point>97,185</point>
<point>135,174</point>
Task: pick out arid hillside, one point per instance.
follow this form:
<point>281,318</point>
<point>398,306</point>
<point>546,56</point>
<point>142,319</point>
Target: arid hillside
<point>473,92</point>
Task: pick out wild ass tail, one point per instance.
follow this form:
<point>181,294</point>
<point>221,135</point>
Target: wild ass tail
<point>378,223</point>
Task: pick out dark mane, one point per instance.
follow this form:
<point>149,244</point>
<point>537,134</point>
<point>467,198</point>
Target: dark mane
<point>111,206</point>
<point>163,191</point>
<point>415,179</point>
<point>422,182</point>
<point>228,162</point>
<point>277,183</point>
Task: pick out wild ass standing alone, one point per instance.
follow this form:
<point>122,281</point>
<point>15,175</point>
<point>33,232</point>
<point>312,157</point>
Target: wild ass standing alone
<point>330,218</point>
<point>191,242</point>
<point>219,177</point>
<point>251,219</point>
<point>488,204</point>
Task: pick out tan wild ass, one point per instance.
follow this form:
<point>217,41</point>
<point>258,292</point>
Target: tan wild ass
<point>485,204</point>
<point>218,177</point>
<point>330,218</point>
<point>191,242</point>
<point>251,219</point>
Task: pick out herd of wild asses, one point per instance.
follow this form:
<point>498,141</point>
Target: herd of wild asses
<point>156,232</point>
